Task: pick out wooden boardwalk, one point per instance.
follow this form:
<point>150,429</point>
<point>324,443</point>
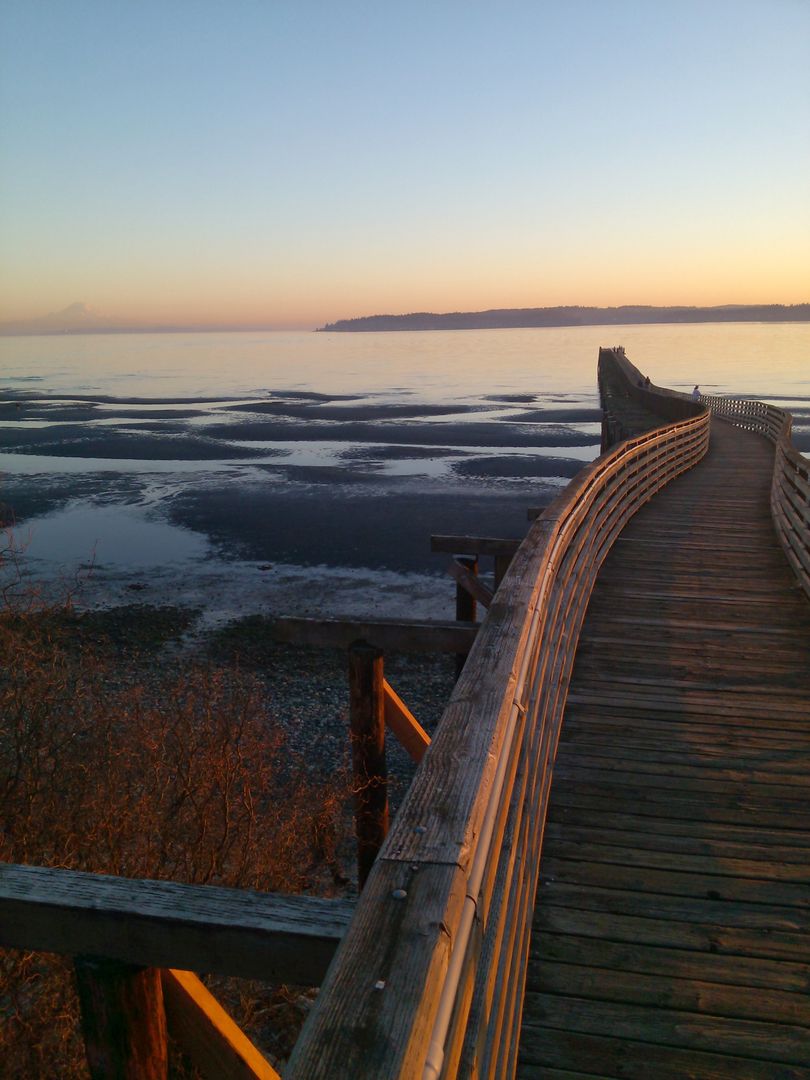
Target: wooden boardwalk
<point>671,929</point>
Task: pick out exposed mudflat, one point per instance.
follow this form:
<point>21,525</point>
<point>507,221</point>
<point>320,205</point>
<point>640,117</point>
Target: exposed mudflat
<point>292,501</point>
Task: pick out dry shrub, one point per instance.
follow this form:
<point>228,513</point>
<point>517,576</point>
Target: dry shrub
<point>182,776</point>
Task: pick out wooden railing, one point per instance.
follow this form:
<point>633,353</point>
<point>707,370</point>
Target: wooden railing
<point>129,938</point>
<point>428,981</point>
<point>790,490</point>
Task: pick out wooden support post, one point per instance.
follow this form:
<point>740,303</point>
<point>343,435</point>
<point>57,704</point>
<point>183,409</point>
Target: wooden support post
<point>367,720</point>
<point>466,605</point>
<point>501,566</point>
<point>123,1019</point>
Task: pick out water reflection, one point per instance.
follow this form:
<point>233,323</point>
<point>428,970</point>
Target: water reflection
<point>107,536</point>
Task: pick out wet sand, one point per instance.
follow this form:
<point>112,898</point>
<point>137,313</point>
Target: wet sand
<point>277,486</point>
<point>340,525</point>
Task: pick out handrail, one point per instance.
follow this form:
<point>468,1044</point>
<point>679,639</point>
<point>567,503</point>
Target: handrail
<point>790,490</point>
<point>429,978</point>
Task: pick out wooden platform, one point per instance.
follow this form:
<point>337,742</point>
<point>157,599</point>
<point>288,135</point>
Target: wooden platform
<point>671,929</point>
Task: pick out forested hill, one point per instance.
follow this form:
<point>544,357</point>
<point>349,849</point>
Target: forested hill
<point>575,316</point>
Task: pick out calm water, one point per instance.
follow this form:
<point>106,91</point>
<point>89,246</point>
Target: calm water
<point>223,468</point>
<point>753,359</point>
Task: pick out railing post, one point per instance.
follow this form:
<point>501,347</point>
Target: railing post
<point>123,1019</point>
<point>501,566</point>
<point>367,722</point>
<point>465,603</point>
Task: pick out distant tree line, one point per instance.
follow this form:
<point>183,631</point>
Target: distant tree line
<point>574,316</point>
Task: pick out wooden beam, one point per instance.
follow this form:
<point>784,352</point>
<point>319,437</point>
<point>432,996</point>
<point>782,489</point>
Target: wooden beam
<point>123,1020</point>
<point>242,932</point>
<point>215,1044</point>
<point>468,581</point>
<point>390,635</point>
<point>403,724</point>
<point>474,545</point>
<point>366,718</point>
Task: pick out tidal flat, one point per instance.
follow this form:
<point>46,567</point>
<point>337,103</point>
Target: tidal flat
<point>289,503</point>
<point>297,473</point>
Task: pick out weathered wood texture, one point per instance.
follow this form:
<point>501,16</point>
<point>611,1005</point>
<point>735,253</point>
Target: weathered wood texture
<point>390,635</point>
<point>206,928</point>
<point>790,485</point>
<point>671,929</point>
<point>429,979</point>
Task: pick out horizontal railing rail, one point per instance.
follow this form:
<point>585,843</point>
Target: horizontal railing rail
<point>429,980</point>
<point>790,490</point>
<point>136,945</point>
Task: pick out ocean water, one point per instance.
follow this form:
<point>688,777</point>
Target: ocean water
<point>753,359</point>
<point>231,471</point>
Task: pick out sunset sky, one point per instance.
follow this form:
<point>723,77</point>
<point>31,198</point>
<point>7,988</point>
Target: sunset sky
<point>291,162</point>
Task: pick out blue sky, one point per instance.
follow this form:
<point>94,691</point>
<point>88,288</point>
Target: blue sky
<point>292,163</point>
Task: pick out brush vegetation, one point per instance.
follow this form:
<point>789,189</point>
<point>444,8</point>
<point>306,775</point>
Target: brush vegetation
<point>114,764</point>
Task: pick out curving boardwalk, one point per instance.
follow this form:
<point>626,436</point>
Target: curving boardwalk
<point>672,836</point>
<point>670,935</point>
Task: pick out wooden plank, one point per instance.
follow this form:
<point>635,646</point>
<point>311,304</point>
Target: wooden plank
<point>645,879</point>
<point>725,810</point>
<point>687,783</point>
<point>615,948</point>
<point>723,853</point>
<point>703,829</point>
<point>748,706</point>
<point>741,868</point>
<point>390,635</point>
<point>242,932</point>
<point>768,918</point>
<point>631,1059</point>
<point>706,934</point>
<point>216,1045</point>
<point>669,992</point>
<point>474,545</point>
<point>403,724</point>
<point>786,1043</point>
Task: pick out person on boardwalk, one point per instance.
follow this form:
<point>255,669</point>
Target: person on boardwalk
<point>696,394</point>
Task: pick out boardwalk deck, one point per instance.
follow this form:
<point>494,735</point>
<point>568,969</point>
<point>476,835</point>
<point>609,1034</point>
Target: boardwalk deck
<point>671,929</point>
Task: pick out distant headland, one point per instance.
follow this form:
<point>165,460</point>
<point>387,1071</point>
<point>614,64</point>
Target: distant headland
<point>503,318</point>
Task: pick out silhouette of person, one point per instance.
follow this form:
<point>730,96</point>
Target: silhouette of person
<point>696,394</point>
